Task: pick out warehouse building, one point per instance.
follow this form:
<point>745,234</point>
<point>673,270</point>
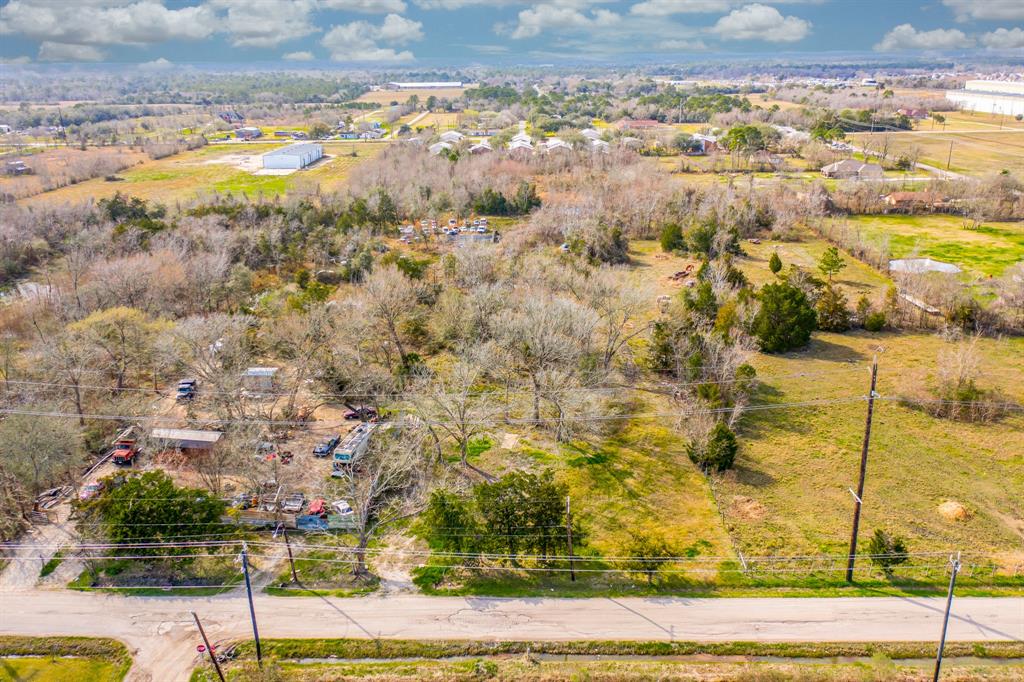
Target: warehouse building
<point>990,97</point>
<point>293,156</point>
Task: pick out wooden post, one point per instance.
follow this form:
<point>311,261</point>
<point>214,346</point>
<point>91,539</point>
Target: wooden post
<point>568,533</point>
<point>209,649</point>
<point>858,502</point>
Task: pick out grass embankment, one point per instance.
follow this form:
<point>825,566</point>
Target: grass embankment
<point>413,660</point>
<point>63,659</point>
<point>985,251</point>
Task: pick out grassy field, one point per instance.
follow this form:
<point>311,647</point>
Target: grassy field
<point>386,97</point>
<point>987,250</point>
<point>215,169</point>
<point>974,153</point>
<point>62,659</point>
<point>970,120</point>
<point>788,493</point>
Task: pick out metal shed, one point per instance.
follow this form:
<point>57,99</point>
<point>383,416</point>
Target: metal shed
<point>294,156</point>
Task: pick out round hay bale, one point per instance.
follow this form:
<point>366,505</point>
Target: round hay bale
<point>951,510</point>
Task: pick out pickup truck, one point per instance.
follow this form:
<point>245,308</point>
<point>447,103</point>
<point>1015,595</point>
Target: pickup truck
<point>326,448</point>
<point>186,390</point>
<point>125,452</point>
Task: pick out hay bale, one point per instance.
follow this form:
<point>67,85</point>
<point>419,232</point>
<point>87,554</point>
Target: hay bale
<point>951,510</point>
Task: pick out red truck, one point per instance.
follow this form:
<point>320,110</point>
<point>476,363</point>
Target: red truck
<point>125,452</point>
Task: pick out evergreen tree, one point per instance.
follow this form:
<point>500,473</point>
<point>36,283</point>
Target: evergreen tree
<point>833,315</point>
<point>785,320</point>
<point>831,262</point>
<point>775,263</point>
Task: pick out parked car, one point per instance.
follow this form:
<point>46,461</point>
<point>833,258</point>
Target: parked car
<point>294,503</point>
<point>91,490</point>
<point>317,507</point>
<point>342,507</point>
<point>186,390</point>
<point>326,448</point>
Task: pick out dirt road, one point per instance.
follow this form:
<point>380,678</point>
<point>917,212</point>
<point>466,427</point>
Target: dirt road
<point>162,636</point>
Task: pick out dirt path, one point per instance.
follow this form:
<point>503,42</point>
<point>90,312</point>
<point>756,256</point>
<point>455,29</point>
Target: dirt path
<point>37,547</point>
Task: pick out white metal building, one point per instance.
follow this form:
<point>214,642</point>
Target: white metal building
<point>990,97</point>
<point>293,156</point>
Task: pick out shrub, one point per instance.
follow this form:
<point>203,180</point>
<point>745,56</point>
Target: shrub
<point>875,322</point>
<point>785,320</point>
<point>833,315</point>
<point>887,551</point>
<point>672,238</point>
<point>775,263</point>
<point>719,451</point>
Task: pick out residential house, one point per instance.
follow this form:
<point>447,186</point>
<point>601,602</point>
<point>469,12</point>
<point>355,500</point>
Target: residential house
<point>439,147</point>
<point>852,169</point>
<point>637,124</point>
<point>708,143</point>
<point>520,146</point>
<point>452,136</point>
<point>481,148</point>
<point>371,134</point>
<point>600,146</point>
<point>556,144</point>
<point>913,113</point>
<point>591,134</point>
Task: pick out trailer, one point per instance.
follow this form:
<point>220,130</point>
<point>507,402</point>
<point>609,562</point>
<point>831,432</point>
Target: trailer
<point>354,446</point>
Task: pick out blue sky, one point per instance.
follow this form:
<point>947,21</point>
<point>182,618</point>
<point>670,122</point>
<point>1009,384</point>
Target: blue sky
<point>411,33</point>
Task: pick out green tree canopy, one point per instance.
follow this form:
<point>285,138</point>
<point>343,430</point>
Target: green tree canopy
<point>785,320</point>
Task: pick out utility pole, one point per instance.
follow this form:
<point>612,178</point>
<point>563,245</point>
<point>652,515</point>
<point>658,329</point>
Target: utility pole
<point>949,158</point>
<point>863,471</point>
<point>209,649</point>
<point>252,609</point>
<point>955,565</point>
<point>291,559</point>
<point>568,533</point>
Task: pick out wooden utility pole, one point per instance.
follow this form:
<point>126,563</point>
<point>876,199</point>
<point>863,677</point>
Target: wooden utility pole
<point>291,559</point>
<point>209,649</point>
<point>955,566</point>
<point>949,158</point>
<point>568,534</point>
<point>858,502</point>
<point>252,609</point>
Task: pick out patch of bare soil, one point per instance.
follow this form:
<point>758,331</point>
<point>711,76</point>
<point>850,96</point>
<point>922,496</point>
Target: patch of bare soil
<point>747,508</point>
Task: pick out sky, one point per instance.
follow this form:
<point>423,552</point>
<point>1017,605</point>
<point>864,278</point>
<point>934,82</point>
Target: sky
<point>159,34</point>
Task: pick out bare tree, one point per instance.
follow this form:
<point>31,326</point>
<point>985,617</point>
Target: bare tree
<point>389,486</point>
<point>391,298</point>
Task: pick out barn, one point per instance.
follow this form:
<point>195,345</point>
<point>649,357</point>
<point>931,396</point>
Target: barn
<point>293,156</point>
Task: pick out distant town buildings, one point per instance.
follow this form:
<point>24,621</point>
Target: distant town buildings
<point>852,169</point>
<point>424,85</point>
<point>990,97</point>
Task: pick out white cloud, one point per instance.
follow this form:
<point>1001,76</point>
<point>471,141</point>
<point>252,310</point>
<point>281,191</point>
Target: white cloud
<point>664,8</point>
<point>66,52</point>
<point>365,6</point>
<point>266,23</point>
<point>560,16</point>
<point>761,22</point>
<point>104,23</point>
<point>966,10</point>
<point>23,59</point>
<point>906,37</point>
<point>1004,39</point>
<point>359,41</point>
<point>304,56</point>
<point>159,64</point>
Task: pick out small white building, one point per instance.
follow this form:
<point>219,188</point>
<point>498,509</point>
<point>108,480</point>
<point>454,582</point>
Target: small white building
<point>600,146</point>
<point>293,156</point>
<point>452,136</point>
<point>259,378</point>
<point>591,134</point>
<point>481,148</point>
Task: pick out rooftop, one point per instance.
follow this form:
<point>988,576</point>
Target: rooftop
<point>295,149</point>
<point>187,435</point>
